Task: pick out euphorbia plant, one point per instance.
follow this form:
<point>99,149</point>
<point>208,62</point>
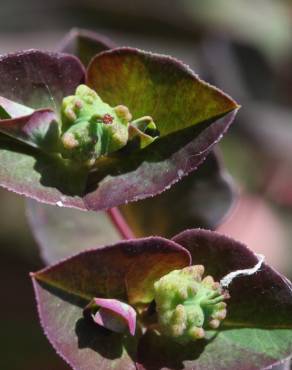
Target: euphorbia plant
<point>126,128</point>
<point>89,304</point>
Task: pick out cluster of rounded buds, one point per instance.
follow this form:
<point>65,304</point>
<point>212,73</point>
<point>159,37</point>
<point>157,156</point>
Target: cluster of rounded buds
<point>187,303</point>
<point>90,127</point>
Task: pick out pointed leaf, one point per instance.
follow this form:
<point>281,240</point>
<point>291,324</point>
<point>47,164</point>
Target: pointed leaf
<point>154,169</point>
<point>115,271</point>
<point>84,44</point>
<point>202,199</point>
<point>148,84</point>
<point>157,86</point>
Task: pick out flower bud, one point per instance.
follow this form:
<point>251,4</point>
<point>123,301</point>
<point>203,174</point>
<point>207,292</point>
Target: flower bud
<point>187,304</point>
<point>90,127</point>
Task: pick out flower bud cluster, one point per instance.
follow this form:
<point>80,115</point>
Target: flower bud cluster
<point>90,127</point>
<point>187,303</point>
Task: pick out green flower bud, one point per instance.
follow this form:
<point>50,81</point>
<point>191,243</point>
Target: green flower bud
<point>90,127</point>
<point>186,304</point>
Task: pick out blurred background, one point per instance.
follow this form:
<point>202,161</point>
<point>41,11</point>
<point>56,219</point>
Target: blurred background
<point>241,46</point>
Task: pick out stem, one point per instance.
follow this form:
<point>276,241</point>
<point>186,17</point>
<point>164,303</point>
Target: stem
<point>120,223</point>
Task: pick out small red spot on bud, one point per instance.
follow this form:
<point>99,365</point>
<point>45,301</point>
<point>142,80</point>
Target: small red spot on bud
<point>107,119</point>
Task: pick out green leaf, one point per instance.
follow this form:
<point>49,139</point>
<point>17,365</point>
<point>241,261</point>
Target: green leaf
<point>30,172</point>
<point>240,349</point>
<point>156,85</point>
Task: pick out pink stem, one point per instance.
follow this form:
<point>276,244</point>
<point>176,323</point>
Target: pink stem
<point>120,223</point>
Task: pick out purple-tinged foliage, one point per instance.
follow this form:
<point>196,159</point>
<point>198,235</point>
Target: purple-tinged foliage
<point>256,333</point>
<point>84,44</point>
<point>190,115</point>
<point>39,79</point>
<point>38,129</point>
<point>255,297</point>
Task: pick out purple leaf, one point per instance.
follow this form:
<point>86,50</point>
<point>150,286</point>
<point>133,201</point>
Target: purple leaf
<point>124,270</point>
<point>115,271</point>
<point>84,44</point>
<point>34,173</point>
<point>11,109</point>
<point>39,129</point>
<point>263,299</point>
<point>154,169</point>
<point>39,79</point>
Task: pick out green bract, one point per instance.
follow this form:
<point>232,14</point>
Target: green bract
<point>186,304</point>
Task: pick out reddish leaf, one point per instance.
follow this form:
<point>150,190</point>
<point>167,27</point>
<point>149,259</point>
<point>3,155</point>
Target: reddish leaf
<point>124,270</point>
<point>39,79</point>
<point>115,271</point>
<point>38,129</point>
<point>263,299</point>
